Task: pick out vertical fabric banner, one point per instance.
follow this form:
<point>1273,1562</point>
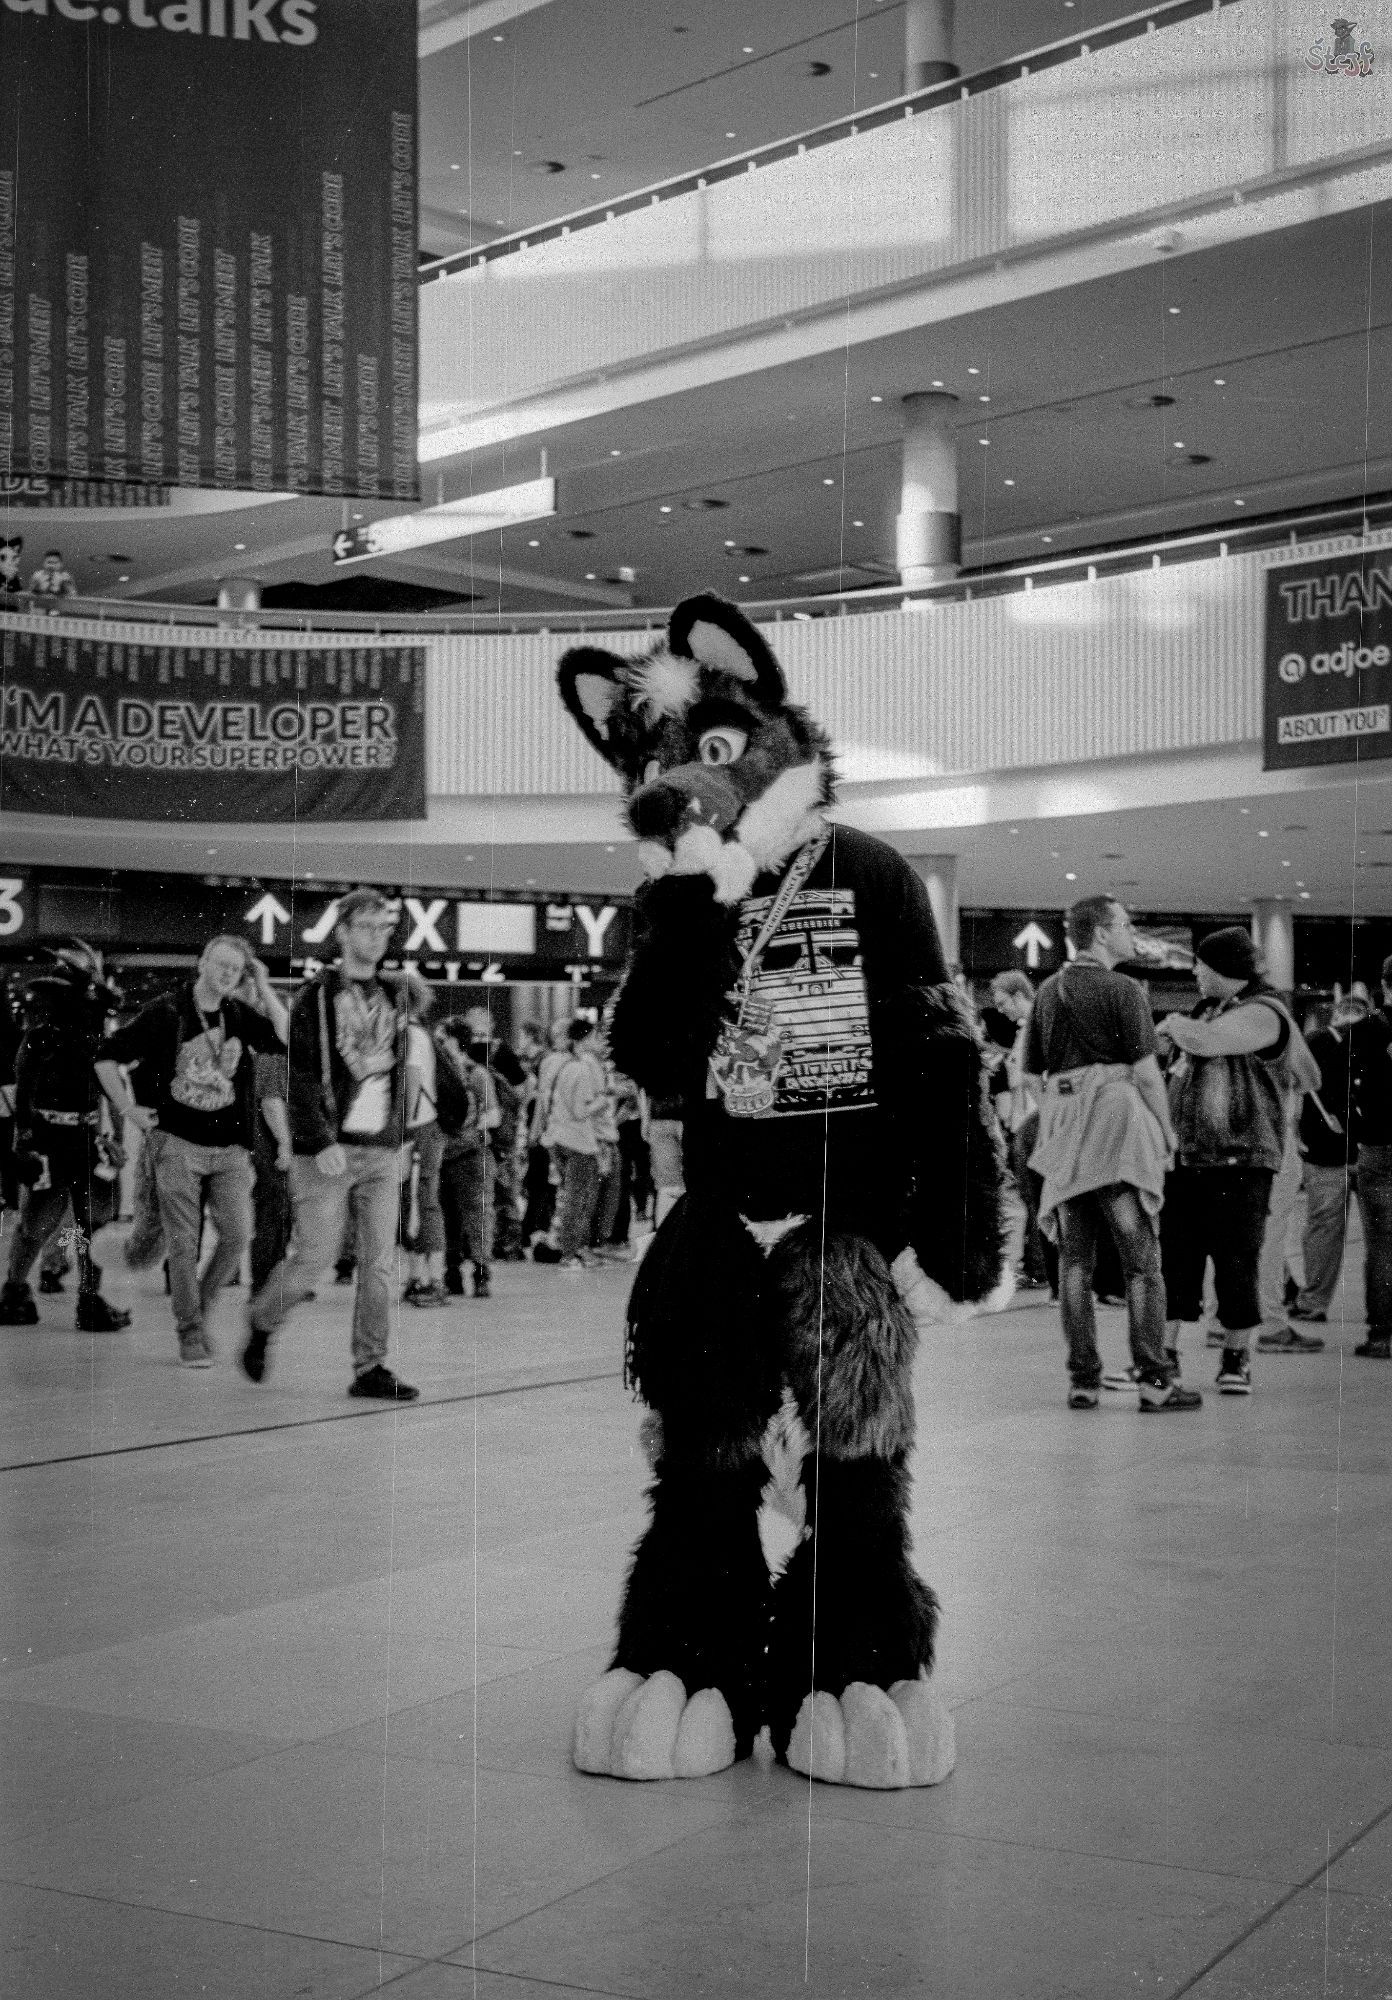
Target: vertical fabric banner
<point>1327,696</point>
<point>208,243</point>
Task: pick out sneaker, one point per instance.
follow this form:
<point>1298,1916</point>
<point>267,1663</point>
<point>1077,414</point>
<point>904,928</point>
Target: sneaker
<point>343,1273</point>
<point>574,1264</point>
<point>615,1253</point>
<point>1083,1396</point>
<point>252,1358</point>
<point>454,1283</point>
<point>381,1385</point>
<point>545,1253</point>
<point>97,1315</point>
<point>1375,1350</point>
<point>1290,1340</point>
<point>1235,1373</point>
<point>1310,1318</point>
<point>50,1282</point>
<point>483,1284</point>
<point>1156,1395</point>
<point>1120,1378</point>
<point>17,1307</point>
<point>428,1295</point>
<point>1215,1337</point>
<point>194,1351</point>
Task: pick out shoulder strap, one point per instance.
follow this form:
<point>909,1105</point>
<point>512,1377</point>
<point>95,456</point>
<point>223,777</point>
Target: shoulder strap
<point>325,1073</point>
<point>1080,1033</point>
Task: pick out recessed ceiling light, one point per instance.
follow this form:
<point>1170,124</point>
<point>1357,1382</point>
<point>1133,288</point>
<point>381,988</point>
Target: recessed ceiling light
<point>498,38</point>
<point>828,482</point>
<point>1244,809</point>
<point>729,545</point>
<point>983,399</point>
<point>357,517</point>
<point>1174,312</point>
<point>534,545</point>
<point>1304,895</point>
<point>1053,854</point>
<point>589,576</point>
<point>937,385</point>
<point>729,135</point>
<point>1220,381</point>
<point>1046,538</point>
<point>1300,885</point>
<point>1262,833</point>
<point>531,881</point>
<point>664,510</point>
<point>1285,864</point>
<point>857,524</point>
<point>1010,482</point>
<point>874,76</point>
<point>1069,875</point>
<point>877,399</point>
<point>454,166</point>
<point>1179,444</point>
<point>615,452</point>
<point>1239,503</point>
<point>746,50</point>
<point>744,579</point>
<point>123,579</point>
<point>240,547</point>
<point>212,850</point>
<point>983,440</point>
<point>973,371</point>
<point>608,850</point>
<point>594,177</point>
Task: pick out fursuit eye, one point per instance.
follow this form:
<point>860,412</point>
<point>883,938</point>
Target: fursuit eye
<point>651,770</point>
<point>721,746</point>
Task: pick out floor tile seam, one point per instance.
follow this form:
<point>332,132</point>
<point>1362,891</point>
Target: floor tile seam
<point>309,1423</point>
<point>1283,1902</point>
<point>633,1860</point>
<point>377,1950</point>
<point>498,1972</point>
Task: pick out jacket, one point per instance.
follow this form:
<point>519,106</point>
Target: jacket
<point>317,1114</point>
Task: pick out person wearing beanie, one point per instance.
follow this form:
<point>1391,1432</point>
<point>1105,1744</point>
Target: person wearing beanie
<point>1228,1090</point>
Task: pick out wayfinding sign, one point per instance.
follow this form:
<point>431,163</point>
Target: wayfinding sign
<point>1328,667</point>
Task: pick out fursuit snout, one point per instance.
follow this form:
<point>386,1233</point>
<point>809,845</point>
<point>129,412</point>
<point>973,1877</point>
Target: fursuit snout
<point>686,796</point>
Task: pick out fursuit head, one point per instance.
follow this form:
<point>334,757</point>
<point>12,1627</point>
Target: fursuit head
<point>786,998</point>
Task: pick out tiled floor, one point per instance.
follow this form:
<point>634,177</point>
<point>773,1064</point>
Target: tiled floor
<point>286,1684</point>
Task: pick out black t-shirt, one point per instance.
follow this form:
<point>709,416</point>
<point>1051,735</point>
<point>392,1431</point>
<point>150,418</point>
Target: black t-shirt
<point>1087,1014</point>
<point>198,1067</point>
<point>1325,1144</point>
<point>858,931</point>
<point>1370,1061</point>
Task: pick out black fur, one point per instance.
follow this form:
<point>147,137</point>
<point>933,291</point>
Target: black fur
<point>849,1606</point>
<point>848,1343</point>
<point>683,964</point>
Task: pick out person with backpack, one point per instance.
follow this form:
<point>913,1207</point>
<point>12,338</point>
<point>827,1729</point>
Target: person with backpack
<point>61,1153</point>
<point>469,1115</point>
<point>509,1080</point>
<point>422,1220</point>
<point>347,1102</point>
<point>1229,1095</point>
<point>578,1105</point>
<point>1104,1139</point>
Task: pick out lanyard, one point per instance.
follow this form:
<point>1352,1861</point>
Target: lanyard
<point>803,863</point>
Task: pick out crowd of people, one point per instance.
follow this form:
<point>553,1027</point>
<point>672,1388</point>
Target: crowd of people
<point>1155,1163</point>
<point>345,1134</point>
<point>1178,1151</point>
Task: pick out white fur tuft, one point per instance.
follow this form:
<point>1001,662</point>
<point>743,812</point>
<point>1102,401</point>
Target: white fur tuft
<point>654,859</point>
<point>785,815</point>
<point>665,685</point>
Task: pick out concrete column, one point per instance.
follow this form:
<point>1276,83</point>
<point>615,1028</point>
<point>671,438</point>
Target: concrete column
<point>928,44</point>
<point>239,593</point>
<point>939,875</point>
<point>928,532</point>
<point>1273,931</point>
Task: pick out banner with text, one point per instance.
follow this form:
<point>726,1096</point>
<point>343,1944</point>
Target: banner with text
<point>232,730</point>
<point>208,244</point>
<point>1328,662</point>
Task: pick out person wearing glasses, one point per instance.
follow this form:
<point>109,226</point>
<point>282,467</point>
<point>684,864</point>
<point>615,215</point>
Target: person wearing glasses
<point>349,1138</point>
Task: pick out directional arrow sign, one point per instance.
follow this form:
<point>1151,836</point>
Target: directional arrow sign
<point>268,913</point>
<point>349,543</point>
<point>1031,941</point>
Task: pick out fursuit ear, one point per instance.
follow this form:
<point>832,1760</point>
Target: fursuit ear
<point>593,686</point>
<point>719,636</point>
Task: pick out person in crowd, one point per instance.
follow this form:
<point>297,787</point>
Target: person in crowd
<point>509,1080</point>
<point>634,1187</point>
<point>1297,1073</point>
<point>543,1178</point>
<point>271,1154</point>
<point>577,1103</point>
<point>608,1159</point>
<point>196,1045</point>
<point>1104,1141</point>
<point>1228,1093</point>
<point>52,578</point>
<point>537,1194</point>
<point>467,1185</point>
<point>61,1153</point>
<point>348,1135</point>
<point>1329,1148</point>
<point>1370,1068</point>
<point>1012,998</point>
<point>422,1222</point>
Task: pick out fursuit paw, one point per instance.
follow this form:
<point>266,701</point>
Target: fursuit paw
<point>882,1741</point>
<point>629,1727</point>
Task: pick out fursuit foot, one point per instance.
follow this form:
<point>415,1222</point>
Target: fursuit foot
<point>884,1741</point>
<point>630,1727</point>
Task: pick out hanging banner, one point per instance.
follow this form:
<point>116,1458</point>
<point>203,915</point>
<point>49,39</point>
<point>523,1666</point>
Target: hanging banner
<point>208,244</point>
<point>1328,662</point>
<point>228,730</point>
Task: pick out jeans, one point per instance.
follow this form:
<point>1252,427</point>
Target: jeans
<point>270,1210</point>
<point>1327,1191</point>
<point>467,1196</point>
<point>1375,1206</point>
<point>1119,1210</point>
<point>1271,1270</point>
<point>71,1156</point>
<point>186,1175</point>
<point>429,1236</point>
<point>366,1193</point>
<point>575,1206</point>
<point>1218,1213</point>
<point>1020,1145</point>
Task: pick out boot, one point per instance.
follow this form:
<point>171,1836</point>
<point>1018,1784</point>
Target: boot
<point>97,1315</point>
<point>483,1288</point>
<point>17,1307</point>
<point>50,1282</point>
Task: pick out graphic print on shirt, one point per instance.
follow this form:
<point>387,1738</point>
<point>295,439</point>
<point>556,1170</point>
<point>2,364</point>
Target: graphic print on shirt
<point>803,1043</point>
<point>203,1072</point>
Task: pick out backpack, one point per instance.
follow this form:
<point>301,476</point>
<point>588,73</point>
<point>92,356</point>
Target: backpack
<point>455,1107</point>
